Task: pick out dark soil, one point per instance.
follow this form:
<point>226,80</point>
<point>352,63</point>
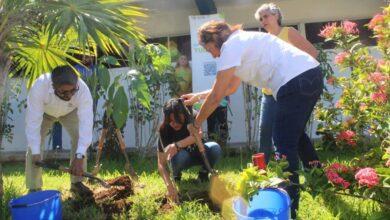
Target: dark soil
<point>110,201</point>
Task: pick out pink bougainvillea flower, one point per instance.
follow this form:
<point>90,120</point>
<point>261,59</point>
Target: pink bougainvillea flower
<point>329,30</point>
<point>377,77</point>
<point>378,18</point>
<point>367,177</point>
<point>350,27</point>
<point>340,57</point>
<point>379,97</point>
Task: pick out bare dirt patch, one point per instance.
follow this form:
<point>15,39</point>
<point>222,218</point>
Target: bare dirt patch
<point>109,201</point>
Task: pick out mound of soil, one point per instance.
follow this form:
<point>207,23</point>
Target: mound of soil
<point>110,201</point>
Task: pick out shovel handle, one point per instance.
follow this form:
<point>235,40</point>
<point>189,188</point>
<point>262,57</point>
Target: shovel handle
<point>190,117</point>
<point>67,170</point>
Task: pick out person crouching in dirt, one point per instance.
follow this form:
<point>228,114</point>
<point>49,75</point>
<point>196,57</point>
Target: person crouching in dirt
<point>58,96</point>
<point>177,147</point>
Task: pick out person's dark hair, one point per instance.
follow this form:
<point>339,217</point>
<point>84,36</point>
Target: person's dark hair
<point>216,31</point>
<point>64,75</point>
<point>176,107</point>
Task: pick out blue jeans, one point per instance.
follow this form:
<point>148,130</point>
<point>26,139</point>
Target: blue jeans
<point>268,111</point>
<point>184,159</point>
<point>267,118</point>
<point>295,103</point>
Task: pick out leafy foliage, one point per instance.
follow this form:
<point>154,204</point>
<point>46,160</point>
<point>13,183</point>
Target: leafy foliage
<point>252,179</point>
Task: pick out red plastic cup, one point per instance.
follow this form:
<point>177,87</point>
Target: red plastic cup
<point>259,160</point>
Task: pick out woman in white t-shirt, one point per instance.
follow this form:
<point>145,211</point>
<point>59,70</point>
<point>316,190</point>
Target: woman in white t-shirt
<point>263,60</point>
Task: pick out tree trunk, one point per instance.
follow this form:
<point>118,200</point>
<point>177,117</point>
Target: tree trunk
<point>5,64</point>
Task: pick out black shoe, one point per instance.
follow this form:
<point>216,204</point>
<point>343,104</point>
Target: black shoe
<point>81,190</point>
<point>203,176</point>
<point>34,190</point>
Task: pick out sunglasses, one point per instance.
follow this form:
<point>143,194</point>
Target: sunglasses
<point>65,92</point>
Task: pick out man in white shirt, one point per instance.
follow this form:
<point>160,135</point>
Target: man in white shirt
<point>60,96</point>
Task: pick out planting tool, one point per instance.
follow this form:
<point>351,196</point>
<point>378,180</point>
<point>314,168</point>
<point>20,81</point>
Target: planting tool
<point>188,114</point>
<point>218,189</point>
<point>59,167</point>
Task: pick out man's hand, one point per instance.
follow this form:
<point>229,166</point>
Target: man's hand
<point>76,168</point>
<point>36,158</point>
<point>171,151</point>
<point>172,194</point>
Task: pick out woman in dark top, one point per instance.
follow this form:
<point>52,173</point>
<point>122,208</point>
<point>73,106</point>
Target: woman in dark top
<point>177,147</point>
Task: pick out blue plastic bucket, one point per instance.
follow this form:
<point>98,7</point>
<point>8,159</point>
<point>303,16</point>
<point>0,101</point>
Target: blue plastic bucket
<point>268,203</point>
<point>37,205</point>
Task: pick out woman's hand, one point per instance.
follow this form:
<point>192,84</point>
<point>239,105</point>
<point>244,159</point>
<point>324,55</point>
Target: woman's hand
<point>190,98</point>
<point>194,130</point>
<point>171,151</point>
<point>172,194</point>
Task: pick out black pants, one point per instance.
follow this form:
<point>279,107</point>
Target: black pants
<point>217,126</point>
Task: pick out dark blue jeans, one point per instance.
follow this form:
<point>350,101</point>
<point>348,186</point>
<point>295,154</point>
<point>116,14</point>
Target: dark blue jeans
<point>184,159</point>
<point>268,111</point>
<point>295,103</point>
<point>267,118</point>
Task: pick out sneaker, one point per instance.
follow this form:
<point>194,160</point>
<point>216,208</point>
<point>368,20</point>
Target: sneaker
<point>203,176</point>
<point>34,190</point>
<point>81,190</point>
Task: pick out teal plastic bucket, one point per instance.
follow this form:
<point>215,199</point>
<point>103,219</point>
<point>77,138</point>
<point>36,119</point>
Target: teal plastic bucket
<point>267,203</point>
<point>42,205</point>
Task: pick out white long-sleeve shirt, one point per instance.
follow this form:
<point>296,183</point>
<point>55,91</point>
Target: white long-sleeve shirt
<point>41,99</point>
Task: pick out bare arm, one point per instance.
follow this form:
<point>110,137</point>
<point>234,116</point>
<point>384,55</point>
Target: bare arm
<point>226,83</point>
<point>171,188</point>
<point>300,42</point>
<point>162,164</point>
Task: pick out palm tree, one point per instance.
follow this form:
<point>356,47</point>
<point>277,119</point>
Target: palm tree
<point>38,35</point>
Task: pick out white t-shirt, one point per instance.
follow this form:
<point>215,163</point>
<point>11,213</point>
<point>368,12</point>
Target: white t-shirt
<point>263,60</point>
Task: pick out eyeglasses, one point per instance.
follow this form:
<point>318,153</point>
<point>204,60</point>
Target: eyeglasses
<point>66,92</point>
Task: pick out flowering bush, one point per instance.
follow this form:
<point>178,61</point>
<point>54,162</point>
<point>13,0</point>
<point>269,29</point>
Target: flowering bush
<point>359,117</point>
<point>362,110</point>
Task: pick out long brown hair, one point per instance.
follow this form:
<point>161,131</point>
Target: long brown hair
<point>217,32</point>
<point>176,107</point>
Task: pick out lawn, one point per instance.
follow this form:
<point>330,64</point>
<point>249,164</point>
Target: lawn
<point>147,200</point>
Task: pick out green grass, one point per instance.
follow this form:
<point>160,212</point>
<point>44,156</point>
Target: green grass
<point>147,200</point>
